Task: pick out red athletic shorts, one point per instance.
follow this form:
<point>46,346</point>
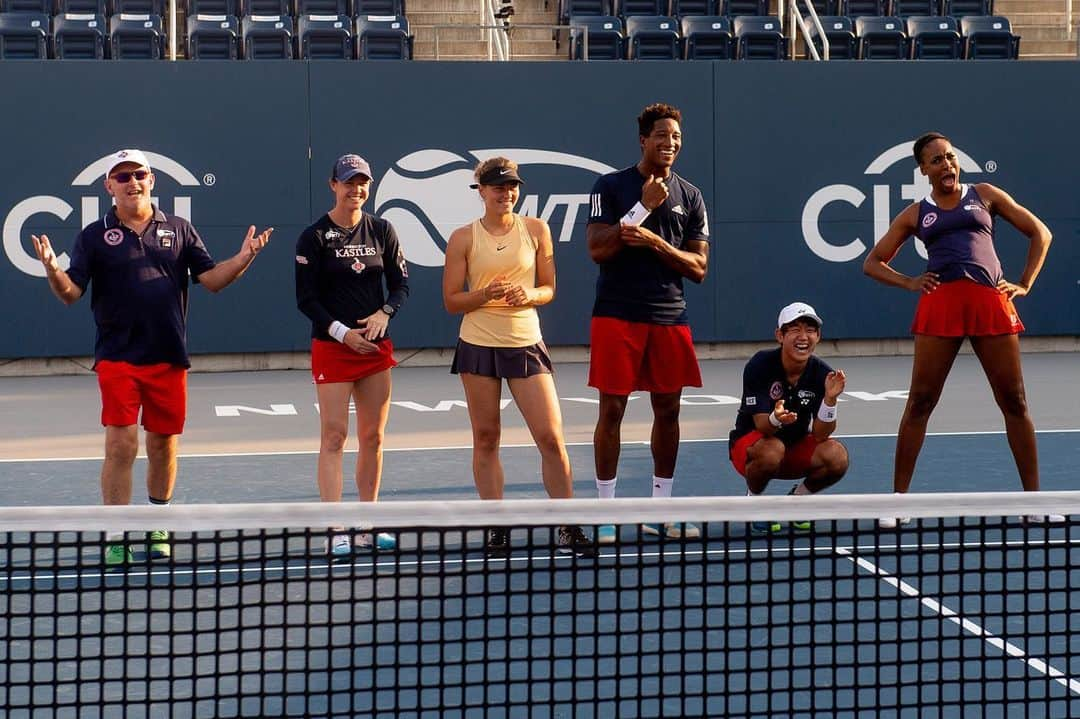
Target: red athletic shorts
<point>965,309</point>
<point>628,356</point>
<point>334,362</point>
<point>160,389</point>
<point>796,459</point>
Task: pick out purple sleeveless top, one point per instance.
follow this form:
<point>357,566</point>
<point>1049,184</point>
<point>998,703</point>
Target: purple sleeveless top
<point>960,242</point>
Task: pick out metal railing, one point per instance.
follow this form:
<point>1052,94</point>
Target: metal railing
<point>795,19</point>
<point>506,31</point>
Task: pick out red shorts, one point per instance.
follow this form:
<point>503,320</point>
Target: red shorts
<point>628,356</point>
<point>334,362</point>
<point>160,389</point>
<point>965,309</point>
<point>796,459</point>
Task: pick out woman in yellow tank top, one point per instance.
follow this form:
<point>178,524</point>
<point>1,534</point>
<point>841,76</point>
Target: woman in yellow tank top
<point>499,269</point>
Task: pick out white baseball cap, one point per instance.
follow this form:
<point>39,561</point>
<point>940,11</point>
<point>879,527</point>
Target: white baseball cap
<point>795,311</point>
<point>120,157</point>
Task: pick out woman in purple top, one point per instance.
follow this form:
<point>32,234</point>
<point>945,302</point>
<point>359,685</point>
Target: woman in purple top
<point>963,294</point>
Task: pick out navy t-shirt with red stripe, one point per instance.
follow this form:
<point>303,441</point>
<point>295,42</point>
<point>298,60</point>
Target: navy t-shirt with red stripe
<point>635,285</point>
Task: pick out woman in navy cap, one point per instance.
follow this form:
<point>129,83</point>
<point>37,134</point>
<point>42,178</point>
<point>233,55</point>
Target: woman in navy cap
<point>343,262</point>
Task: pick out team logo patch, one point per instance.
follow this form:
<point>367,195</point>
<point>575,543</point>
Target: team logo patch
<point>776,391</point>
<point>358,266</point>
<point>113,236</point>
<point>751,401</point>
<point>929,219</point>
<point>301,260</point>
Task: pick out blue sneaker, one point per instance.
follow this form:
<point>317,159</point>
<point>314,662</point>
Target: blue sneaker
<point>376,540</point>
<point>605,534</point>
<point>339,545</point>
<point>763,528</point>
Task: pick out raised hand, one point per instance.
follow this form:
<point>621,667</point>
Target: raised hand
<point>253,243</point>
<point>834,385</point>
<point>785,416</point>
<point>654,192</point>
<point>45,252</point>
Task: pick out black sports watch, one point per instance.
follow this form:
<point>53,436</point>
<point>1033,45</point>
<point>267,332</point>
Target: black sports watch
<point>388,310</point>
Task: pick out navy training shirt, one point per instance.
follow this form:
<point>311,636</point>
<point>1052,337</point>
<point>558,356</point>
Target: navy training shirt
<point>340,272</point>
<point>635,285</point>
<point>139,286</point>
<point>765,382</point>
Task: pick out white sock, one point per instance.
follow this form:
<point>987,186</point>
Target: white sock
<point>605,488</point>
<point>801,488</point>
<point>661,486</point>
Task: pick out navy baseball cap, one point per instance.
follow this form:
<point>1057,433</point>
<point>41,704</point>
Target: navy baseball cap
<point>349,166</point>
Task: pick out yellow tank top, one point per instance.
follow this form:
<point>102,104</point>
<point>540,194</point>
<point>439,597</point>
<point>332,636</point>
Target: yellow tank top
<point>513,256</point>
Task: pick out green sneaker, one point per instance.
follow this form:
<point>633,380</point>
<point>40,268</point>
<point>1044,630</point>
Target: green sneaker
<point>759,529</point>
<point>159,545</point>
<point>117,555</point>
<point>802,527</point>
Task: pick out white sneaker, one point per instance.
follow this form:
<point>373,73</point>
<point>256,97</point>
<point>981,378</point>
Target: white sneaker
<point>339,545</point>
<point>893,522</point>
<point>672,530</point>
<point>375,540</point>
<point>1043,519</point>
<point>605,534</point>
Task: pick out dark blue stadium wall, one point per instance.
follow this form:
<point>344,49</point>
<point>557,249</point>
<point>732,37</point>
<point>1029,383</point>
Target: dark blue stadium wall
<point>802,165</point>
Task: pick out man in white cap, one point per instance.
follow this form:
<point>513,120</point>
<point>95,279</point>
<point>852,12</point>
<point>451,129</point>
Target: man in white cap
<point>788,414</point>
<point>139,261</point>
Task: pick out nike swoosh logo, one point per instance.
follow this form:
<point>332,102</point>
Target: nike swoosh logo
<point>504,172</point>
<point>500,249</point>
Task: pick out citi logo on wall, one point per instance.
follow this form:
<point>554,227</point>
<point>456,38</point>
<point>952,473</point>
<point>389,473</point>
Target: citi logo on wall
<point>18,224</point>
<point>426,195</point>
<point>845,249</point>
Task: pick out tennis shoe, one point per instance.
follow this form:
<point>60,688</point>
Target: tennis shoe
<point>376,540</point>
<point>801,526</point>
<point>159,545</point>
<point>893,522</point>
<point>339,545</point>
<point>1043,519</point>
<point>672,530</point>
<point>574,541</point>
<point>760,529</point>
<point>117,555</point>
<point>605,534</point>
<point>497,543</point>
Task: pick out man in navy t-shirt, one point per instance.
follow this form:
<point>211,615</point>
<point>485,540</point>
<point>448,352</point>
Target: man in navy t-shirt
<point>137,261</point>
<point>788,414</point>
<point>647,231</point>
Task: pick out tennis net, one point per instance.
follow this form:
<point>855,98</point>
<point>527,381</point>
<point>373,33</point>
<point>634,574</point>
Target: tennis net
<point>966,611</point>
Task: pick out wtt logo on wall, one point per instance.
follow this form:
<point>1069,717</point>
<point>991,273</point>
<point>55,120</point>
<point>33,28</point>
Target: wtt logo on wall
<point>18,220</point>
<point>845,249</point>
<point>426,195</point>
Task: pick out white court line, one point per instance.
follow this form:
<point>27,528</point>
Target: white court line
<point>971,627</point>
<point>524,445</point>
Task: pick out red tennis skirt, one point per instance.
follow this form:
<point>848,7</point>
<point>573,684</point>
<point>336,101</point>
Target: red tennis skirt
<point>333,362</point>
<point>965,309</point>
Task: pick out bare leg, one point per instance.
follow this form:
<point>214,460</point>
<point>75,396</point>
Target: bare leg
<point>539,405</point>
<point>1000,359</point>
<point>483,395</point>
<point>161,464</point>
<point>828,465</point>
<point>371,395</point>
<point>121,446</point>
<point>665,433</point>
<point>333,431</point>
<point>934,357</point>
<point>607,435</point>
<point>763,460</point>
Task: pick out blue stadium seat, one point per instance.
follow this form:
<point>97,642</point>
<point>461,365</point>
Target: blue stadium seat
<point>989,38</point>
<point>963,8</point>
<point>138,7</point>
<point>934,38</point>
<point>824,8</point>
<point>325,37</point>
<point>684,8</point>
<point>909,8</point>
<point>707,38</point>
<point>759,38</point>
<point>40,7</point>
<point>605,37</point>
<point>266,37</point>
<point>863,8</point>
<point>653,37</point>
<point>841,34</point>
<point>323,7</point>
<point>213,7</point>
<point>738,8</point>
<point>383,37</point>
<point>379,7</point>
<point>881,38</point>
<point>269,8</point>
<point>629,8</point>
<point>213,37</point>
<point>79,36</point>
<point>136,37</point>
<point>24,36</point>
<point>83,7</point>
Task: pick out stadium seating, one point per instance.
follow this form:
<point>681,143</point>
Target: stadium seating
<point>85,7</point>
<point>934,38</point>
<point>325,37</point>
<point>605,37</point>
<point>383,37</point>
<point>909,8</point>
<point>136,37</point>
<point>881,38</point>
<point>138,7</point>
<point>213,7</point>
<point>862,8</point>
<point>654,37</point>
<point>266,37</point>
<point>281,8</point>
<point>759,38</point>
<point>825,8</point>
<point>840,31</point>
<point>379,7</point>
<point>213,37</point>
<point>78,36</point>
<point>24,36</point>
<point>989,38</point>
<point>707,38</point>
<point>683,8</point>
<point>629,8</point>
<point>963,8</point>
<point>323,7</point>
<point>739,8</point>
<point>41,7</point>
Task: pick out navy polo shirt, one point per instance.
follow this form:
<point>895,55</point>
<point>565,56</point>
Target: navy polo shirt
<point>139,286</point>
<point>765,382</point>
<point>635,285</point>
